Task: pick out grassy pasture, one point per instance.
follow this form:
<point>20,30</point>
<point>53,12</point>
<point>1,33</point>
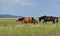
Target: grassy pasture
<point>9,27</point>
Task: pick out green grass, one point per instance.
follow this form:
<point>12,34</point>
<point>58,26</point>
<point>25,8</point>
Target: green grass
<point>9,27</point>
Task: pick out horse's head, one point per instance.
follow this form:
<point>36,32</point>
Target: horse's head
<point>17,20</point>
<point>42,17</point>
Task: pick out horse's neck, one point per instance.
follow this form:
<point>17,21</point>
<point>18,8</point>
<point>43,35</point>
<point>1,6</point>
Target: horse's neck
<point>22,18</point>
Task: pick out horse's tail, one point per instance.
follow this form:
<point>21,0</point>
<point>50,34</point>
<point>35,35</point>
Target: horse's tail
<point>34,20</point>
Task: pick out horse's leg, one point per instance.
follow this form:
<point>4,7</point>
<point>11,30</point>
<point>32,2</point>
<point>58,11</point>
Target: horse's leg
<point>43,22</point>
<point>46,22</point>
<point>24,22</point>
<point>53,21</point>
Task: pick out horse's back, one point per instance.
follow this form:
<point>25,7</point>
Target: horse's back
<point>28,19</point>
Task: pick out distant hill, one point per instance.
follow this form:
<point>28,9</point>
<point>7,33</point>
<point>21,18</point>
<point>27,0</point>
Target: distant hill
<point>9,16</point>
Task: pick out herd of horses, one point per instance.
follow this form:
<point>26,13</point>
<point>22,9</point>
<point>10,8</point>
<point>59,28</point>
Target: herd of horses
<point>44,18</point>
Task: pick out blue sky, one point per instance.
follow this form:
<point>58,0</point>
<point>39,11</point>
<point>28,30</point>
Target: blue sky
<point>29,8</point>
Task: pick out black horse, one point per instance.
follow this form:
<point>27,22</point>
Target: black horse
<point>48,18</point>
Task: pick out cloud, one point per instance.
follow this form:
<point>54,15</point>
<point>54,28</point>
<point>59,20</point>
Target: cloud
<point>16,1</point>
<point>20,2</point>
<point>26,3</point>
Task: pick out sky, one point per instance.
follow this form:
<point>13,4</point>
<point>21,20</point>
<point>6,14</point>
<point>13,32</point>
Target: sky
<point>30,8</point>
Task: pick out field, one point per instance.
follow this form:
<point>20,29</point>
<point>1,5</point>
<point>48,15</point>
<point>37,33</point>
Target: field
<point>9,27</point>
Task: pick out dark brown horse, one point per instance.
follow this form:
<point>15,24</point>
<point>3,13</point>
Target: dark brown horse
<point>27,20</point>
<point>48,18</point>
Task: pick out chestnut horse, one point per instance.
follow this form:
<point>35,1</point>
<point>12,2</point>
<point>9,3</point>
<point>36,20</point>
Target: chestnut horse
<point>27,20</point>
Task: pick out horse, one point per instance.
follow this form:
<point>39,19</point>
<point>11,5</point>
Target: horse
<point>27,20</point>
<point>48,18</point>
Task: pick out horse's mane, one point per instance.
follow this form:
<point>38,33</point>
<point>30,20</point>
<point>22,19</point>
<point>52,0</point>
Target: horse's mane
<point>21,18</point>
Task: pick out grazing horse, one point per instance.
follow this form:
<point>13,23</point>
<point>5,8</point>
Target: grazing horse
<point>48,18</point>
<point>27,20</point>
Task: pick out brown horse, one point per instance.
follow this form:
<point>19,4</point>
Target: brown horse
<point>27,20</point>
